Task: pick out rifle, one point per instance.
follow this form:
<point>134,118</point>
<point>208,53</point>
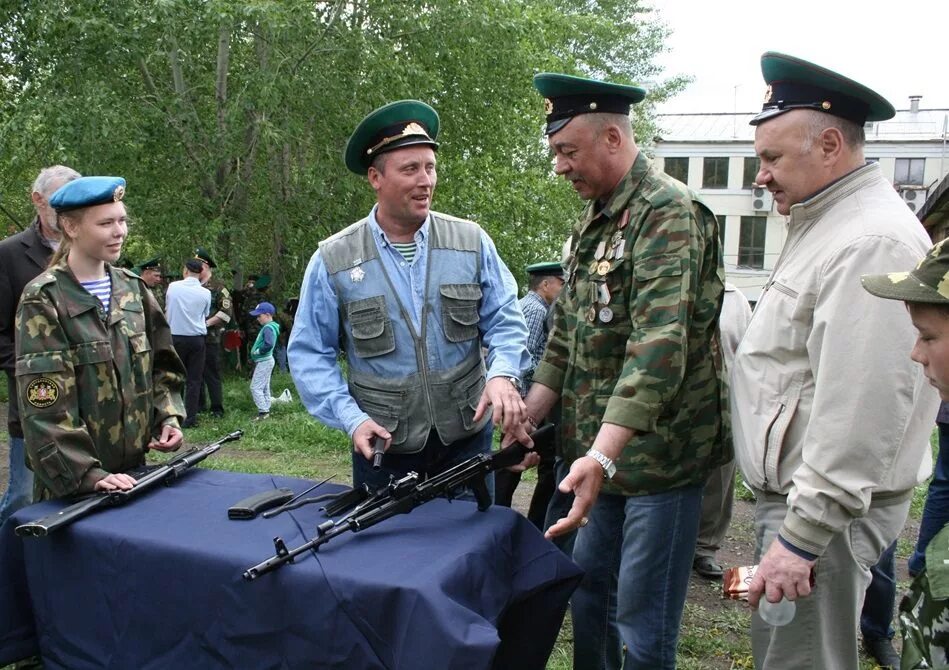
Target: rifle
<point>163,474</point>
<point>403,495</point>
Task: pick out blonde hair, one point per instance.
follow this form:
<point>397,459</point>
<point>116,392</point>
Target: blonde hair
<point>65,243</point>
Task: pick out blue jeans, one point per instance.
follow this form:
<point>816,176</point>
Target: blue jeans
<point>877,615</point>
<point>637,553</point>
<point>20,491</point>
<point>936,512</point>
<point>435,457</point>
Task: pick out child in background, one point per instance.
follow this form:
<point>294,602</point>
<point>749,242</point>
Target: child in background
<point>261,355</point>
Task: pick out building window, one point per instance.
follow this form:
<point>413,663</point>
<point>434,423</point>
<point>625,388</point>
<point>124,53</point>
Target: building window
<point>752,166</point>
<point>678,168</point>
<point>751,242</point>
<point>909,171</point>
<point>716,173</point>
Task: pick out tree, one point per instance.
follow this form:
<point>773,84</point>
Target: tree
<point>228,118</point>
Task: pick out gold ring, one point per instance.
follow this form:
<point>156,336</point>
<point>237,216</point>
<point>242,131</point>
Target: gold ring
<point>584,521</point>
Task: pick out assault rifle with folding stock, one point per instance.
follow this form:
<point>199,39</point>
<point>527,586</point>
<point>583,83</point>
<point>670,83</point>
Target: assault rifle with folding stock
<point>165,473</point>
<point>403,495</point>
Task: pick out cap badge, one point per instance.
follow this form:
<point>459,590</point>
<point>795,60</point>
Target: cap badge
<point>767,94</point>
<point>548,106</point>
<point>357,274</point>
<point>825,105</point>
<point>412,129</point>
<point>118,193</point>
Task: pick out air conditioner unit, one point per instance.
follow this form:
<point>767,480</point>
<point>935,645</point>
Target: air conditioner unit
<point>761,199</point>
<point>914,198</point>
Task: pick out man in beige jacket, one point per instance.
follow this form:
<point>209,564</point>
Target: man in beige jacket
<point>831,419</point>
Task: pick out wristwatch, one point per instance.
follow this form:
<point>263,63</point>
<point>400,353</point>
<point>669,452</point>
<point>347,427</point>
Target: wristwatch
<point>609,469</point>
<point>516,382</point>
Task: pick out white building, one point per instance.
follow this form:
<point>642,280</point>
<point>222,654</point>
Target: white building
<point>714,154</point>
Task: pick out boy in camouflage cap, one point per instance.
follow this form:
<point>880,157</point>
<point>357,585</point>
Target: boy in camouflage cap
<point>925,290</point>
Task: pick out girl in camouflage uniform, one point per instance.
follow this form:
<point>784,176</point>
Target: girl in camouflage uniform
<point>97,376</point>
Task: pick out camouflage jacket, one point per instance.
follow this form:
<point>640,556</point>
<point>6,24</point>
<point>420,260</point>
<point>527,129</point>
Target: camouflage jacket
<point>159,293</point>
<point>632,341</point>
<point>220,307</point>
<point>924,610</point>
<point>94,386</point>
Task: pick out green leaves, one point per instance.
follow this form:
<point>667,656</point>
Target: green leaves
<point>228,118</point>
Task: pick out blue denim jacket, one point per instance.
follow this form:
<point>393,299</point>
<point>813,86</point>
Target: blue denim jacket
<point>315,341</point>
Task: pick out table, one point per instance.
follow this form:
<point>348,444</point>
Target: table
<point>157,584</point>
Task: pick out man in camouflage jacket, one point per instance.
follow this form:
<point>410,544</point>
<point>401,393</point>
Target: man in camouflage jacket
<point>631,355</point>
<point>73,440</point>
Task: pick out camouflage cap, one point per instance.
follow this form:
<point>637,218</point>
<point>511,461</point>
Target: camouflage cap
<point>928,283</point>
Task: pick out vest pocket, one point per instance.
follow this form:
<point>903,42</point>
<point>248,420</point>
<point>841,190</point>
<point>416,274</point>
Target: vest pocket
<point>460,316</point>
<point>385,408</point>
<point>369,325</point>
<point>468,394</point>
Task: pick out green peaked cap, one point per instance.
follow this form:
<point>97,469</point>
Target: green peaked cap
<point>794,83</point>
<point>567,96</point>
<point>393,126</point>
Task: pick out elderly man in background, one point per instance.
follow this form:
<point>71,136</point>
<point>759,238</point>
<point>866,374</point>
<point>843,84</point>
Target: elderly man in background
<point>22,258</point>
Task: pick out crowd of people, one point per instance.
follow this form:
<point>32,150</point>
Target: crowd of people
<point>657,373</point>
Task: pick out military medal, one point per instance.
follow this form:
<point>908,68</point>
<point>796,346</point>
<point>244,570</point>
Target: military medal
<point>606,315</point>
<point>593,266</point>
<point>624,220</point>
<point>600,250</point>
<point>603,267</point>
<point>591,314</point>
<point>603,296</point>
<point>620,248</point>
<point>357,274</point>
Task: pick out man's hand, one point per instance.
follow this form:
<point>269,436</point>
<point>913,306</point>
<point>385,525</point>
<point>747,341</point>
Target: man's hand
<point>781,573</point>
<point>169,440</point>
<point>115,481</point>
<point>531,459</point>
<point>362,437</point>
<point>509,410</point>
<point>585,479</point>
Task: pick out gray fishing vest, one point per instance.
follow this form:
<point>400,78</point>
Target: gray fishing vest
<point>411,382</point>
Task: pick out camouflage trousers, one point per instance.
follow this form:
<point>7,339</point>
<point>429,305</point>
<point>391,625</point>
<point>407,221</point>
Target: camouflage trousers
<point>924,610</point>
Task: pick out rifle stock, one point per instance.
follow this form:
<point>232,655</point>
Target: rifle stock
<point>401,497</point>
<point>163,474</point>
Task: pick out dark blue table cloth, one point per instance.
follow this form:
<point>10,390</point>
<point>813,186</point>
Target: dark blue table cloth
<point>157,584</point>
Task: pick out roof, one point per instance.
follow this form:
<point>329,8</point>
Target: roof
<point>926,125</point>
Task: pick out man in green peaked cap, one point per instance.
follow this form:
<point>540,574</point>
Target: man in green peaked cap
<point>150,272</point>
<point>412,296</point>
<point>219,317</point>
<point>924,610</point>
<point>544,283</point>
<point>831,420</point>
<point>632,357</point>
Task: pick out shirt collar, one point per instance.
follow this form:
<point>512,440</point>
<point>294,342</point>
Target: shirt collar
<point>622,193</point>
<point>420,235</point>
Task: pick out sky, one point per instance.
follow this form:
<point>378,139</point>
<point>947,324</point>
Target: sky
<point>896,48</point>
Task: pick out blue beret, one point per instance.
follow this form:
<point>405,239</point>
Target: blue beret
<point>88,191</point>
